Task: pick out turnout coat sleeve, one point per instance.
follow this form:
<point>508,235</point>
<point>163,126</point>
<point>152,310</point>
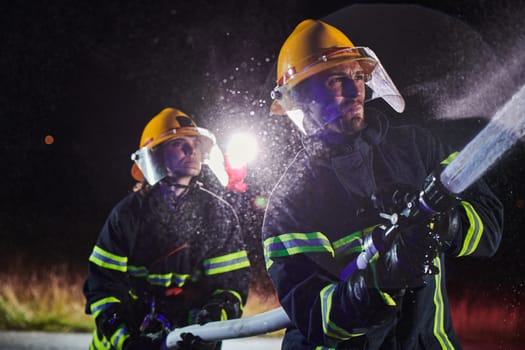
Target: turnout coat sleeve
<point>481,222</point>
<point>301,261</point>
<point>108,280</point>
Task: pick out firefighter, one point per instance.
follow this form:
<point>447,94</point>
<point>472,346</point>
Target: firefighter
<point>170,253</point>
<point>341,198</point>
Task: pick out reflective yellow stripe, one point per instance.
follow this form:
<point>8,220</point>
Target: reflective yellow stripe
<point>352,243</point>
<point>387,298</point>
<point>439,316</point>
<point>235,294</point>
<point>289,244</point>
<point>137,271</point>
<point>119,337</point>
<point>475,230</point>
<point>450,158</point>
<point>224,315</point>
<point>165,279</point>
<point>329,327</point>
<point>226,263</point>
<point>108,260</point>
<point>99,343</point>
<point>100,305</point>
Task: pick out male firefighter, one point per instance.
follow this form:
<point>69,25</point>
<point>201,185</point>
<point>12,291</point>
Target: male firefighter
<point>362,187</point>
<point>171,253</point>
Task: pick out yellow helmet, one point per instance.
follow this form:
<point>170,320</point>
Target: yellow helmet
<point>170,123</point>
<point>315,46</point>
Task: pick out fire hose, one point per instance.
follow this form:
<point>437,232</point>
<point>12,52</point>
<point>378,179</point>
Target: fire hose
<point>262,323</point>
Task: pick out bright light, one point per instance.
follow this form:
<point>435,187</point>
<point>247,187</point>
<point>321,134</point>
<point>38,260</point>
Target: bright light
<point>241,149</point>
<point>216,164</point>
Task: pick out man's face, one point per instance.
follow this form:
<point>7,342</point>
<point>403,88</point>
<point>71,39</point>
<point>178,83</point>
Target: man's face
<point>340,93</point>
<point>183,157</point>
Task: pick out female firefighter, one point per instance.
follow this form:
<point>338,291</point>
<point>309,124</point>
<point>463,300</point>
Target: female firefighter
<point>169,254</point>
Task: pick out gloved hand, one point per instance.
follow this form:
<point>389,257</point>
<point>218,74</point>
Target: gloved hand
<point>435,198</point>
<point>433,207</point>
<point>407,261</point>
<point>394,198</point>
<point>141,342</point>
<point>116,316</point>
<point>368,303</point>
<point>191,342</point>
<point>111,319</point>
<point>209,313</point>
<point>223,306</point>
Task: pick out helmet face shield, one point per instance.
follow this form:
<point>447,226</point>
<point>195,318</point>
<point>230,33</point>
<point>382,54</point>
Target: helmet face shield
<point>151,161</point>
<point>302,97</point>
<point>382,86</point>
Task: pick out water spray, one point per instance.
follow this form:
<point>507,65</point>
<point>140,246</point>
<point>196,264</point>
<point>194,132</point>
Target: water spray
<point>504,130</point>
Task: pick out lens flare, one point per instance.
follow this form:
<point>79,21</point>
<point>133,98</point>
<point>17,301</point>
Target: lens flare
<point>241,149</point>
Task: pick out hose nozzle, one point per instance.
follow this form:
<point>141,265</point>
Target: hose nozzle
<point>435,197</point>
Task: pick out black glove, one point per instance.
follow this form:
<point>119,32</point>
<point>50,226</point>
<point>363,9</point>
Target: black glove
<point>191,342</point>
<point>209,313</point>
<point>434,207</point>
<point>394,198</point>
<point>222,307</point>
<point>142,342</point>
<point>111,319</point>
<point>435,198</point>
<point>444,206</point>
<point>368,303</point>
<point>408,260</point>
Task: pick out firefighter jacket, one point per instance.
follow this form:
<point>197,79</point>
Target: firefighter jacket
<point>317,216</point>
<point>178,254</point>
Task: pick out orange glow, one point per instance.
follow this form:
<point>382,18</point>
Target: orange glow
<point>502,320</point>
<point>49,140</point>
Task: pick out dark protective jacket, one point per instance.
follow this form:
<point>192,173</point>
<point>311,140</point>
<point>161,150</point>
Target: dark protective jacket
<point>178,253</point>
<point>317,216</point>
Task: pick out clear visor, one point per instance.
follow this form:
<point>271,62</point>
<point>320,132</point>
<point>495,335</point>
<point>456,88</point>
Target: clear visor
<point>382,86</point>
<point>151,163</point>
<point>378,84</point>
<point>150,160</point>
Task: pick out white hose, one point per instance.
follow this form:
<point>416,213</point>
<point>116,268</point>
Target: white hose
<point>262,323</point>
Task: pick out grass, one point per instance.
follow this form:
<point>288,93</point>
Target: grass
<point>51,299</point>
<point>48,299</point>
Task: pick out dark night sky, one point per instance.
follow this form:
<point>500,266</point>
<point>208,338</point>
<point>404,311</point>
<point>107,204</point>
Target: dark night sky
<point>91,75</point>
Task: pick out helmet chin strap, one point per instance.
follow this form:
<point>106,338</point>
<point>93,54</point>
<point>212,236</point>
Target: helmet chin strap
<point>171,182</point>
<point>172,191</point>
